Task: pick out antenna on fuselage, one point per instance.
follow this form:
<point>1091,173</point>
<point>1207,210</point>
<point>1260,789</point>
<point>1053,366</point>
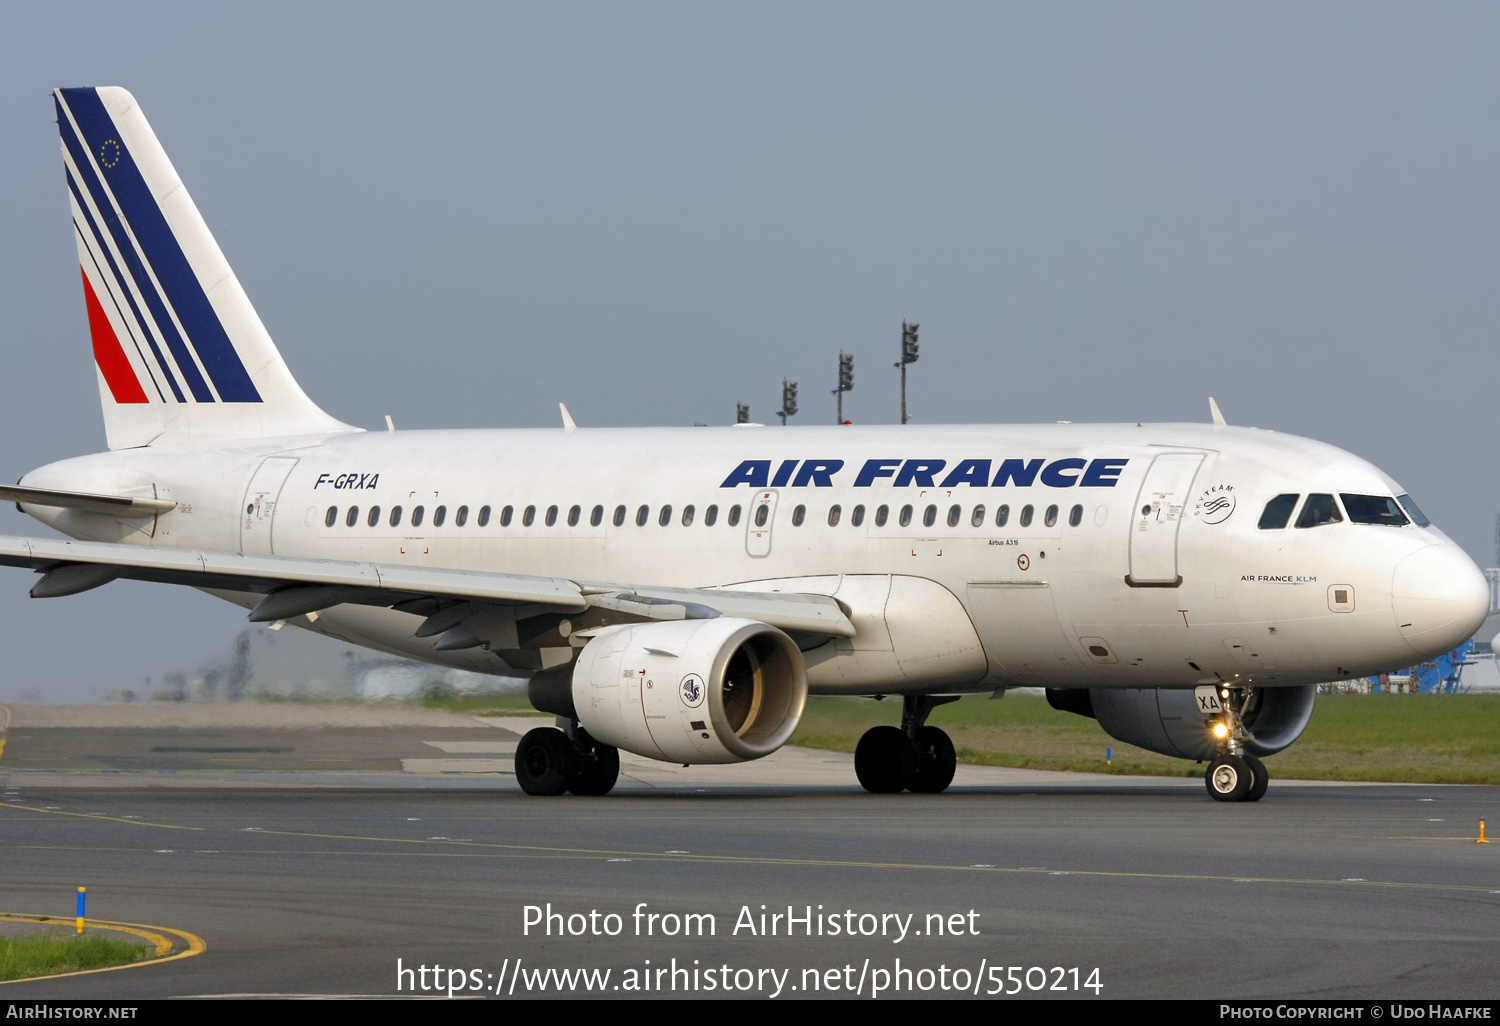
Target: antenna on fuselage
<point>1213,409</point>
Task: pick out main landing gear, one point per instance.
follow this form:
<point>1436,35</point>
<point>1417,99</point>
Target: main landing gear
<point>1235,775</point>
<point>550,761</point>
<point>911,757</point>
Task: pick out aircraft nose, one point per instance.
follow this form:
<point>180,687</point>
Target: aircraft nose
<point>1440,598</point>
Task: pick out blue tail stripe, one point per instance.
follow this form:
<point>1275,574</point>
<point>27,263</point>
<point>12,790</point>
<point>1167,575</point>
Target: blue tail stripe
<point>189,370</point>
<point>129,298</point>
<point>205,332</point>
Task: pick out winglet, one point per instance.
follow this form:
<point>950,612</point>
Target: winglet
<point>1213,408</point>
<point>568,424</point>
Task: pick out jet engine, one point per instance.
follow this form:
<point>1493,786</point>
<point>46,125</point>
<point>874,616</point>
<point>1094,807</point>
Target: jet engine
<point>1167,720</point>
<point>719,690</point>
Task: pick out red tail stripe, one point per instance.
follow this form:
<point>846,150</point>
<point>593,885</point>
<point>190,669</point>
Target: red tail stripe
<point>108,354</point>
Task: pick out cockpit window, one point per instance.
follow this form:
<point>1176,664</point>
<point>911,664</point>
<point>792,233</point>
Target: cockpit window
<point>1319,509</point>
<point>1373,509</point>
<point>1278,511</point>
<point>1412,511</point>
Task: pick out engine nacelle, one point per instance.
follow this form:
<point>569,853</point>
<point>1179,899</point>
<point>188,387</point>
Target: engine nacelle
<point>1167,720</point>
<point>691,691</point>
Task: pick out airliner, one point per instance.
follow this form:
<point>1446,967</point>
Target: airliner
<point>678,593</point>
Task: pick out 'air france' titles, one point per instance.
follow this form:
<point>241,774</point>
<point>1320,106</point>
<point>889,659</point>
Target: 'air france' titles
<point>1063,473</point>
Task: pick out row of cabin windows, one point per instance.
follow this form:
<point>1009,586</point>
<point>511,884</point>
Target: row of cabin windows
<point>955,516</point>
<point>1321,508</point>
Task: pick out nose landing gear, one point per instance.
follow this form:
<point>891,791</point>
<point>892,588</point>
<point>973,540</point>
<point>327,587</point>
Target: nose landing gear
<point>1235,775</point>
<point>913,757</point>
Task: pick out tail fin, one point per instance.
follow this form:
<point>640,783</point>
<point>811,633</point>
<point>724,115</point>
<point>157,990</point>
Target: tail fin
<point>182,356</point>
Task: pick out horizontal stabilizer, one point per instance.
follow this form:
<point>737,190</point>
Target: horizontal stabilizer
<point>112,505</point>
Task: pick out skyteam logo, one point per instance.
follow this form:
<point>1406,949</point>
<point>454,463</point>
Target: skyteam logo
<point>692,691</point>
<point>1215,505</point>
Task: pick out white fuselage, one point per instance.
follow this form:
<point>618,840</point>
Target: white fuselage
<point>1140,578</point>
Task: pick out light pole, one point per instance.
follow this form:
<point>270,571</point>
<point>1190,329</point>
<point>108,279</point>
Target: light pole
<point>846,381</point>
<point>788,400</point>
<point>908,355</point>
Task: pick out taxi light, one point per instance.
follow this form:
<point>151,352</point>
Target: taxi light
<point>1220,731</point>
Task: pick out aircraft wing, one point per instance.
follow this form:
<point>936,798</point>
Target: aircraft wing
<point>295,585</point>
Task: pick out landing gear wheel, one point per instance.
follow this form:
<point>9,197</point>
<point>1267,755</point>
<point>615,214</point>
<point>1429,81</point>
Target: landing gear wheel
<point>545,761</point>
<point>598,769</point>
<point>1262,778</point>
<point>936,762</point>
<point>1229,778</point>
<point>885,760</point>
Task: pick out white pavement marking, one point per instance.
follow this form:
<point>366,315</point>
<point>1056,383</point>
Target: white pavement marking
<point>474,747</point>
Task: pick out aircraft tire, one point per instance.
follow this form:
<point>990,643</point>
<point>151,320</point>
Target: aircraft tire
<point>936,762</point>
<point>598,769</point>
<point>1262,779</point>
<point>545,761</point>
<point>1228,779</point>
<point>885,760</point>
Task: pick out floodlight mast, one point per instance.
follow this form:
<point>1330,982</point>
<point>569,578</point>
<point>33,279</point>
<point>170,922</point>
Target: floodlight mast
<point>788,400</point>
<point>908,355</point>
<point>741,413</point>
<point>846,381</point>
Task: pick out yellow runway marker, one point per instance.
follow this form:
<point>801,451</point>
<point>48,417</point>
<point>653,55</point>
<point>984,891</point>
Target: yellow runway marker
<point>161,937</point>
<point>96,815</point>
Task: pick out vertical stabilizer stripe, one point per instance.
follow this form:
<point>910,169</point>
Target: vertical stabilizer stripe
<point>108,354</point>
<point>184,291</point>
<point>124,287</point>
<point>185,365</point>
<point>84,246</point>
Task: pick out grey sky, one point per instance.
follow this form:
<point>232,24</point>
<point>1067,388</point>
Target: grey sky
<point>460,214</point>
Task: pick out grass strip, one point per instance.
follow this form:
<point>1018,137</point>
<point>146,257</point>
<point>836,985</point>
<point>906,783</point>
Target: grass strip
<point>1447,739</point>
<point>23,957</point>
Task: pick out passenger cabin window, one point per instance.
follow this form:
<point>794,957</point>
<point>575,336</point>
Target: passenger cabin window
<point>710,516</point>
<point>1075,516</point>
<point>734,516</point>
<point>395,516</point>
<point>461,517</point>
<point>484,516</point>
<point>665,517</point>
<point>441,514</point>
<point>929,516</point>
<point>374,518</point>
<point>642,515</point>
<point>1051,518</point>
<point>955,514</point>
<point>505,515</point>
<point>353,517</point>
<point>977,520</point>
<point>1026,516</point>
<point>905,518</point>
<point>882,515</point>
<point>1373,509</point>
<point>798,515</point>
<point>762,513</point>
<point>416,516</point>
<point>834,512</point>
<point>857,516</point>
<point>574,515</point>
<point>1412,510</point>
<point>1278,512</point>
<point>551,516</point>
<point>331,517</point>
<point>529,517</point>
<point>619,516</point>
<point>596,517</point>
<point>688,512</point>
<point>1319,509</point>
<point>1002,516</point>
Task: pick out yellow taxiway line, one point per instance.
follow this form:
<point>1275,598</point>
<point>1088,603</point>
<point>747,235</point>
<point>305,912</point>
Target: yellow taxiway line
<point>159,936</point>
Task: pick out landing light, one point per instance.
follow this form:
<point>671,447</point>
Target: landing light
<point>1220,731</point>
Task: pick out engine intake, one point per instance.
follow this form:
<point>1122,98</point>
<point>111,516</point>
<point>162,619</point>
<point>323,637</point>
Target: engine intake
<point>689,691</point>
<point>1167,720</point>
